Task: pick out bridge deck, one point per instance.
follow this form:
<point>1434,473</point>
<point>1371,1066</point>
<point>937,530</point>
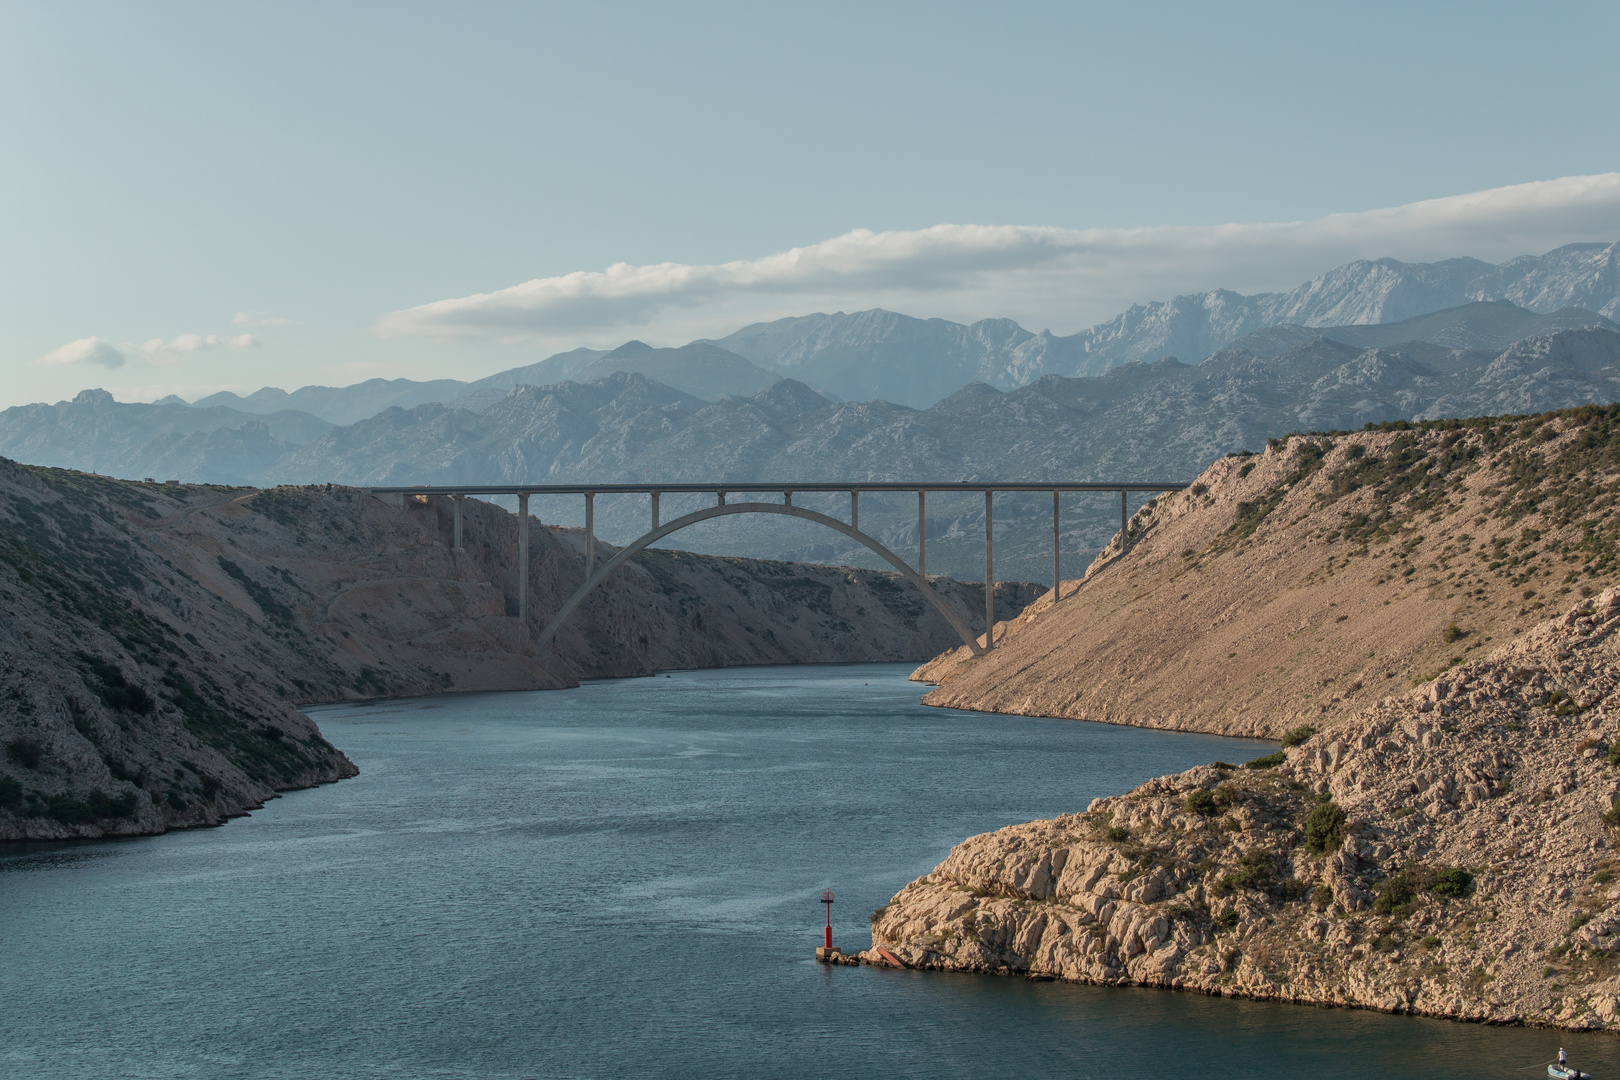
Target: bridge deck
<point>784,485</point>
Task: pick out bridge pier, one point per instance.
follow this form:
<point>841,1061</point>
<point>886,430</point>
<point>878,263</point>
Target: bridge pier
<point>654,511</point>
<point>523,557</point>
<point>989,576</point>
<point>590,532</point>
<point>854,509</point>
<point>922,533</point>
<point>1057,575</point>
<point>456,501</point>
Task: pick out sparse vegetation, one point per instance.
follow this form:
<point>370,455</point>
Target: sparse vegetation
<point>1269,761</point>
<point>1325,827</point>
<point>25,751</point>
<point>1202,802</point>
<point>1295,736</point>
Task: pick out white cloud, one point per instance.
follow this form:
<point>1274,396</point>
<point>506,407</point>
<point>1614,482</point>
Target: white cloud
<point>169,352</point>
<point>99,351</point>
<point>90,350</point>
<point>1044,276</point>
<point>260,318</point>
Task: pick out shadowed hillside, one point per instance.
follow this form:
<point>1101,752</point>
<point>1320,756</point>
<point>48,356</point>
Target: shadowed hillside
<point>154,638</point>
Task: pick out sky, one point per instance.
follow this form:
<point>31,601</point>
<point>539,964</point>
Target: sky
<point>203,196</point>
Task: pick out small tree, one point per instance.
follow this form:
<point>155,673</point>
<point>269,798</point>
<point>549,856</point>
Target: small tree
<point>1324,827</point>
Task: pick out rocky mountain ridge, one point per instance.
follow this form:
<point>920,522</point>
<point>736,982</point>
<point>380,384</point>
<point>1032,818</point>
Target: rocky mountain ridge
<point>881,354</point>
<point>1165,420</point>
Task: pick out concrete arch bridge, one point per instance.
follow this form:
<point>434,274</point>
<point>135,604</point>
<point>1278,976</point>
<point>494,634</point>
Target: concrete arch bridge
<point>918,577</point>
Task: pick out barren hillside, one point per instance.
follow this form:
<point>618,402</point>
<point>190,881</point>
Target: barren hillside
<point>1303,583</point>
<point>154,638</point>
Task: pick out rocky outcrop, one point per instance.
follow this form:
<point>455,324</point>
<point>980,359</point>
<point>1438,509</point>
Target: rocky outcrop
<point>1302,584</point>
<point>155,638</point>
<point>1448,851</point>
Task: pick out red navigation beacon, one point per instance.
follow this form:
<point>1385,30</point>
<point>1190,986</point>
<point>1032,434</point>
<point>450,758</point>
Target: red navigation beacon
<point>827,898</point>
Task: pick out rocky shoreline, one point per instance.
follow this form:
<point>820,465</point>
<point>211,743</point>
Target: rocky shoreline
<point>1447,852</point>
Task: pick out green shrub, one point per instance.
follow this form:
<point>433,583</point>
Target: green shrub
<point>11,793</point>
<point>1324,827</point>
<point>1395,894</point>
<point>1224,765</point>
<point>1202,802</point>
<point>1228,918</point>
<point>98,807</point>
<point>1453,882</point>
<point>1452,633</point>
<point>1116,835</point>
<point>1578,920</point>
<point>1602,877</point>
<point>25,752</point>
<point>115,691</point>
<point>1270,761</point>
<point>1295,736</point>
<point>1614,752</point>
<point>1321,897</point>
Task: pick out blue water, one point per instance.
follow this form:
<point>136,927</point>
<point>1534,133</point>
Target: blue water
<point>622,881</point>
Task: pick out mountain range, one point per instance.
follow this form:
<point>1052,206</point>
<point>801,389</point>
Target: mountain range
<point>1166,419</point>
<point>915,362</point>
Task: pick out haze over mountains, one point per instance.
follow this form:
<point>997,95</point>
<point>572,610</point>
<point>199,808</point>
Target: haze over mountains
<point>723,410</point>
<point>1161,420</point>
<point>881,354</point>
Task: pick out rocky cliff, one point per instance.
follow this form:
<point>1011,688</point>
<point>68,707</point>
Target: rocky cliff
<point>1302,584</point>
<point>1448,851</point>
<point>155,638</point>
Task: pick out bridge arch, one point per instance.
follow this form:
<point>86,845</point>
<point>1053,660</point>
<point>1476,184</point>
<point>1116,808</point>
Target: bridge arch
<point>787,510</point>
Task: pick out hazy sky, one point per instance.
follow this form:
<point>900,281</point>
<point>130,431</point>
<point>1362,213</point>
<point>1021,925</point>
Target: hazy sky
<point>200,196</point>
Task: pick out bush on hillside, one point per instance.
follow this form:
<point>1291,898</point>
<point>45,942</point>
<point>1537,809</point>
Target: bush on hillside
<point>1325,827</point>
<point>1295,736</point>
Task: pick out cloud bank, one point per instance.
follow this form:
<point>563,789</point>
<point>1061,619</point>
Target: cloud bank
<point>103,353</point>
<point>1044,276</point>
<point>90,350</point>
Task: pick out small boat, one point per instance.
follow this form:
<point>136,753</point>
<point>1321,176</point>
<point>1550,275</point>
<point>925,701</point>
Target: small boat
<point>1567,1072</point>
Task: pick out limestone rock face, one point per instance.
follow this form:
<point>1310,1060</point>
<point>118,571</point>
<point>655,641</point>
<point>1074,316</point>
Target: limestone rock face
<point>155,639</point>
<point>1333,877</point>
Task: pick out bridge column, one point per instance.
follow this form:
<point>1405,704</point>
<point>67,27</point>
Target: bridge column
<point>855,510</point>
<point>456,501</point>
<point>590,533</point>
<point>523,558</point>
<point>922,531</point>
<point>787,498</point>
<point>722,501</point>
<point>655,511</point>
<point>989,576</point>
<point>1057,575</point>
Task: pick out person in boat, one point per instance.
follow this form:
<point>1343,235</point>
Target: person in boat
<point>1563,1058</point>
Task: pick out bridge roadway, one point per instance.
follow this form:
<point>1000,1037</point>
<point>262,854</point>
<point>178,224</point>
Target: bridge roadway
<point>659,530</point>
